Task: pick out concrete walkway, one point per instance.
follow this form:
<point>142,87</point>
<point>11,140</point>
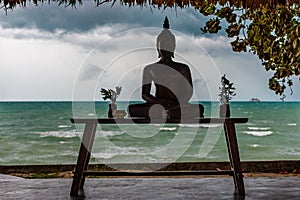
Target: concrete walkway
<point>150,188</point>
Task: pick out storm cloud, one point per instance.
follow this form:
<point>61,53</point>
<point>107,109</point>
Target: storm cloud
<point>48,50</point>
<point>50,17</point>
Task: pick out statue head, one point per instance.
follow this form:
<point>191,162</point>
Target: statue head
<point>166,42</point>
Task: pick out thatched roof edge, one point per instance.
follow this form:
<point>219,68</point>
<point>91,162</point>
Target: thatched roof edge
<point>159,3</point>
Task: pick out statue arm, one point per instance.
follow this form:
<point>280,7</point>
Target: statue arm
<point>188,86</point>
<point>146,87</point>
<point>146,95</point>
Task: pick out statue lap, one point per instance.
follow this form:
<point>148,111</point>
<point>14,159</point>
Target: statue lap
<point>146,110</point>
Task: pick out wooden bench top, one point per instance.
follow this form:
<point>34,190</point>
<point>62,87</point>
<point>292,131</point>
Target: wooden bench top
<point>158,120</point>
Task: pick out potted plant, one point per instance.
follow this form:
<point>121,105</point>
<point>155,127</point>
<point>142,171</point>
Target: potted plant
<point>112,96</point>
<point>227,91</point>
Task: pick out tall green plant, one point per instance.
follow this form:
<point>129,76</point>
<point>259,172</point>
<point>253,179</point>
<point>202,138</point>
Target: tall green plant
<point>111,94</point>
<point>227,91</point>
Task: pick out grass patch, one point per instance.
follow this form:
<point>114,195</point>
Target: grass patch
<point>43,175</point>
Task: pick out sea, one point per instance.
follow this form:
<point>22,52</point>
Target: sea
<point>34,133</point>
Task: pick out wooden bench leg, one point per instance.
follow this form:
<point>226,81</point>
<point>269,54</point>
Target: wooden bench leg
<point>234,157</point>
<point>83,157</point>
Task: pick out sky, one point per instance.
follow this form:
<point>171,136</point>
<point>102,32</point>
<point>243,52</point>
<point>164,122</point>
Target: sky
<point>52,53</point>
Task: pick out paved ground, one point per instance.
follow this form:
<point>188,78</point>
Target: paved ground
<point>151,188</point>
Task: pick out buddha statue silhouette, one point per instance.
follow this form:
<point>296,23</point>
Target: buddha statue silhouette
<point>172,81</point>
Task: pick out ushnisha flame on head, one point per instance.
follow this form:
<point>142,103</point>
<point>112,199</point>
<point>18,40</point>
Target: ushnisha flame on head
<point>166,40</point>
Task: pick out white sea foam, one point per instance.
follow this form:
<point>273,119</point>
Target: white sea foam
<point>265,121</point>
<point>292,124</point>
<point>168,129</point>
<point>91,114</point>
<point>113,152</point>
<point>200,125</point>
<point>59,134</point>
<point>210,125</point>
<point>259,128</point>
<point>189,125</point>
<point>64,142</point>
<point>156,124</point>
<point>105,155</point>
<point>259,133</point>
<point>64,126</point>
<point>255,145</point>
<point>110,133</point>
<point>289,151</point>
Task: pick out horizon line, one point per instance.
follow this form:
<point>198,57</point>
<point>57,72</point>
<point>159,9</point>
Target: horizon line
<point>215,101</point>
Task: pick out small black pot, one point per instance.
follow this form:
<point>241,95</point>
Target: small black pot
<point>224,111</point>
<point>111,108</point>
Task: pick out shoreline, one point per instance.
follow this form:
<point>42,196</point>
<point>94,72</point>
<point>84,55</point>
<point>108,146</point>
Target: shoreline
<point>282,168</point>
<point>69,174</point>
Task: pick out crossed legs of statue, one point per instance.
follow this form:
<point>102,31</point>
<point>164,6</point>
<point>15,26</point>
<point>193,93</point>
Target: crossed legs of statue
<point>172,111</point>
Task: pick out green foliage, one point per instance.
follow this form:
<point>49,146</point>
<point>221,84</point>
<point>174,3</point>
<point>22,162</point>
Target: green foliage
<point>111,94</point>
<point>270,32</point>
<point>274,36</point>
<point>207,8</point>
<point>212,26</point>
<point>227,91</point>
<point>43,175</point>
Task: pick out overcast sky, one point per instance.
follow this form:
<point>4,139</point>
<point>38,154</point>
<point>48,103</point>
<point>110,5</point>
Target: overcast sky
<point>55,53</point>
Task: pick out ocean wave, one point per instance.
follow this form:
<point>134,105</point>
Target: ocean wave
<point>210,125</point>
<point>64,126</point>
<point>64,142</point>
<point>289,151</point>
<point>265,121</point>
<point>199,125</point>
<point>110,133</point>
<point>59,134</point>
<point>255,145</point>
<point>259,128</point>
<point>259,133</point>
<point>168,129</point>
<point>156,125</point>
<point>113,152</point>
<point>189,125</point>
<point>292,124</point>
<point>105,155</point>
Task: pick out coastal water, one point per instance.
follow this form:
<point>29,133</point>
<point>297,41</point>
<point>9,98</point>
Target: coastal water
<point>41,133</point>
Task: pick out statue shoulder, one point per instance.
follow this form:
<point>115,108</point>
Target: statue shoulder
<point>151,66</point>
<point>182,66</point>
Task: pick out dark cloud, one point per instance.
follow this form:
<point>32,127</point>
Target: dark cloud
<point>87,16</point>
<point>92,72</point>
